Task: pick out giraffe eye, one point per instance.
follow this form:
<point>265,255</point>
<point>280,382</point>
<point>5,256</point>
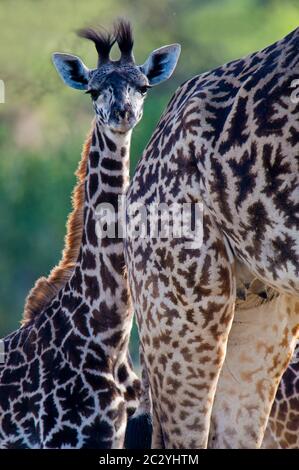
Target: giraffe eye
<point>93,93</point>
<point>143,90</point>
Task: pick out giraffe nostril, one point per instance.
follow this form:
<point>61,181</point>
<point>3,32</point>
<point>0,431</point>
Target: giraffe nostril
<point>122,116</point>
<point>124,113</point>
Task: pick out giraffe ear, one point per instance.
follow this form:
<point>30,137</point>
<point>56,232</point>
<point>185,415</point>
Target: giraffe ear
<point>161,63</point>
<point>72,70</point>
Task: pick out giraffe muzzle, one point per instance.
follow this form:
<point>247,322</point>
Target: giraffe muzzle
<point>122,119</point>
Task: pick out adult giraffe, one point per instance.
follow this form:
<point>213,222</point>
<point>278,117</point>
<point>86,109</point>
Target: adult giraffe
<point>229,139</point>
<point>66,380</point>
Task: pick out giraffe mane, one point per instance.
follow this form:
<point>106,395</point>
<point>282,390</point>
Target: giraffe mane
<point>46,288</point>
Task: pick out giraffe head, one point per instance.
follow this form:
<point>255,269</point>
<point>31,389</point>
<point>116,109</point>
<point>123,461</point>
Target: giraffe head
<point>117,87</point>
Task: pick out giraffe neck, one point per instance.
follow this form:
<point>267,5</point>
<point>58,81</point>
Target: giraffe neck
<point>99,275</point>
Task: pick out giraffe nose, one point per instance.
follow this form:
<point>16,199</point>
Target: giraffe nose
<point>124,112</point>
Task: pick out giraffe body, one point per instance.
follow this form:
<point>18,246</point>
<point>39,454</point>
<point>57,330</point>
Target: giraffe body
<point>228,140</point>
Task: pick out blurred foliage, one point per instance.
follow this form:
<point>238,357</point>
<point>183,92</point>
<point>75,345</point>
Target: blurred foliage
<point>43,123</point>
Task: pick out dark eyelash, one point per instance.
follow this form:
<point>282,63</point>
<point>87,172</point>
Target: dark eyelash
<point>93,93</point>
<point>143,89</point>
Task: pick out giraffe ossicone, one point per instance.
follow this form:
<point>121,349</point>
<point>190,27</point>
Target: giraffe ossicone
<point>67,379</point>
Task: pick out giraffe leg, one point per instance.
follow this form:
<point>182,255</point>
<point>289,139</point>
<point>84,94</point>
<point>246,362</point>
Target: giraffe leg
<point>130,384</point>
<point>283,425</point>
<point>260,346</point>
<point>140,426</point>
<point>157,437</point>
<point>185,306</point>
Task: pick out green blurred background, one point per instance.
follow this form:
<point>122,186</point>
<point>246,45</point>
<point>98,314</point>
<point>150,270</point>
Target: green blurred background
<point>43,123</point>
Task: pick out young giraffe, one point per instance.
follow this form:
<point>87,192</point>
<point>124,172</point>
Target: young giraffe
<point>230,140</point>
<point>66,377</point>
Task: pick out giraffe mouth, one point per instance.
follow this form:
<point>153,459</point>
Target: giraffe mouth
<point>115,131</point>
<point>122,127</point>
